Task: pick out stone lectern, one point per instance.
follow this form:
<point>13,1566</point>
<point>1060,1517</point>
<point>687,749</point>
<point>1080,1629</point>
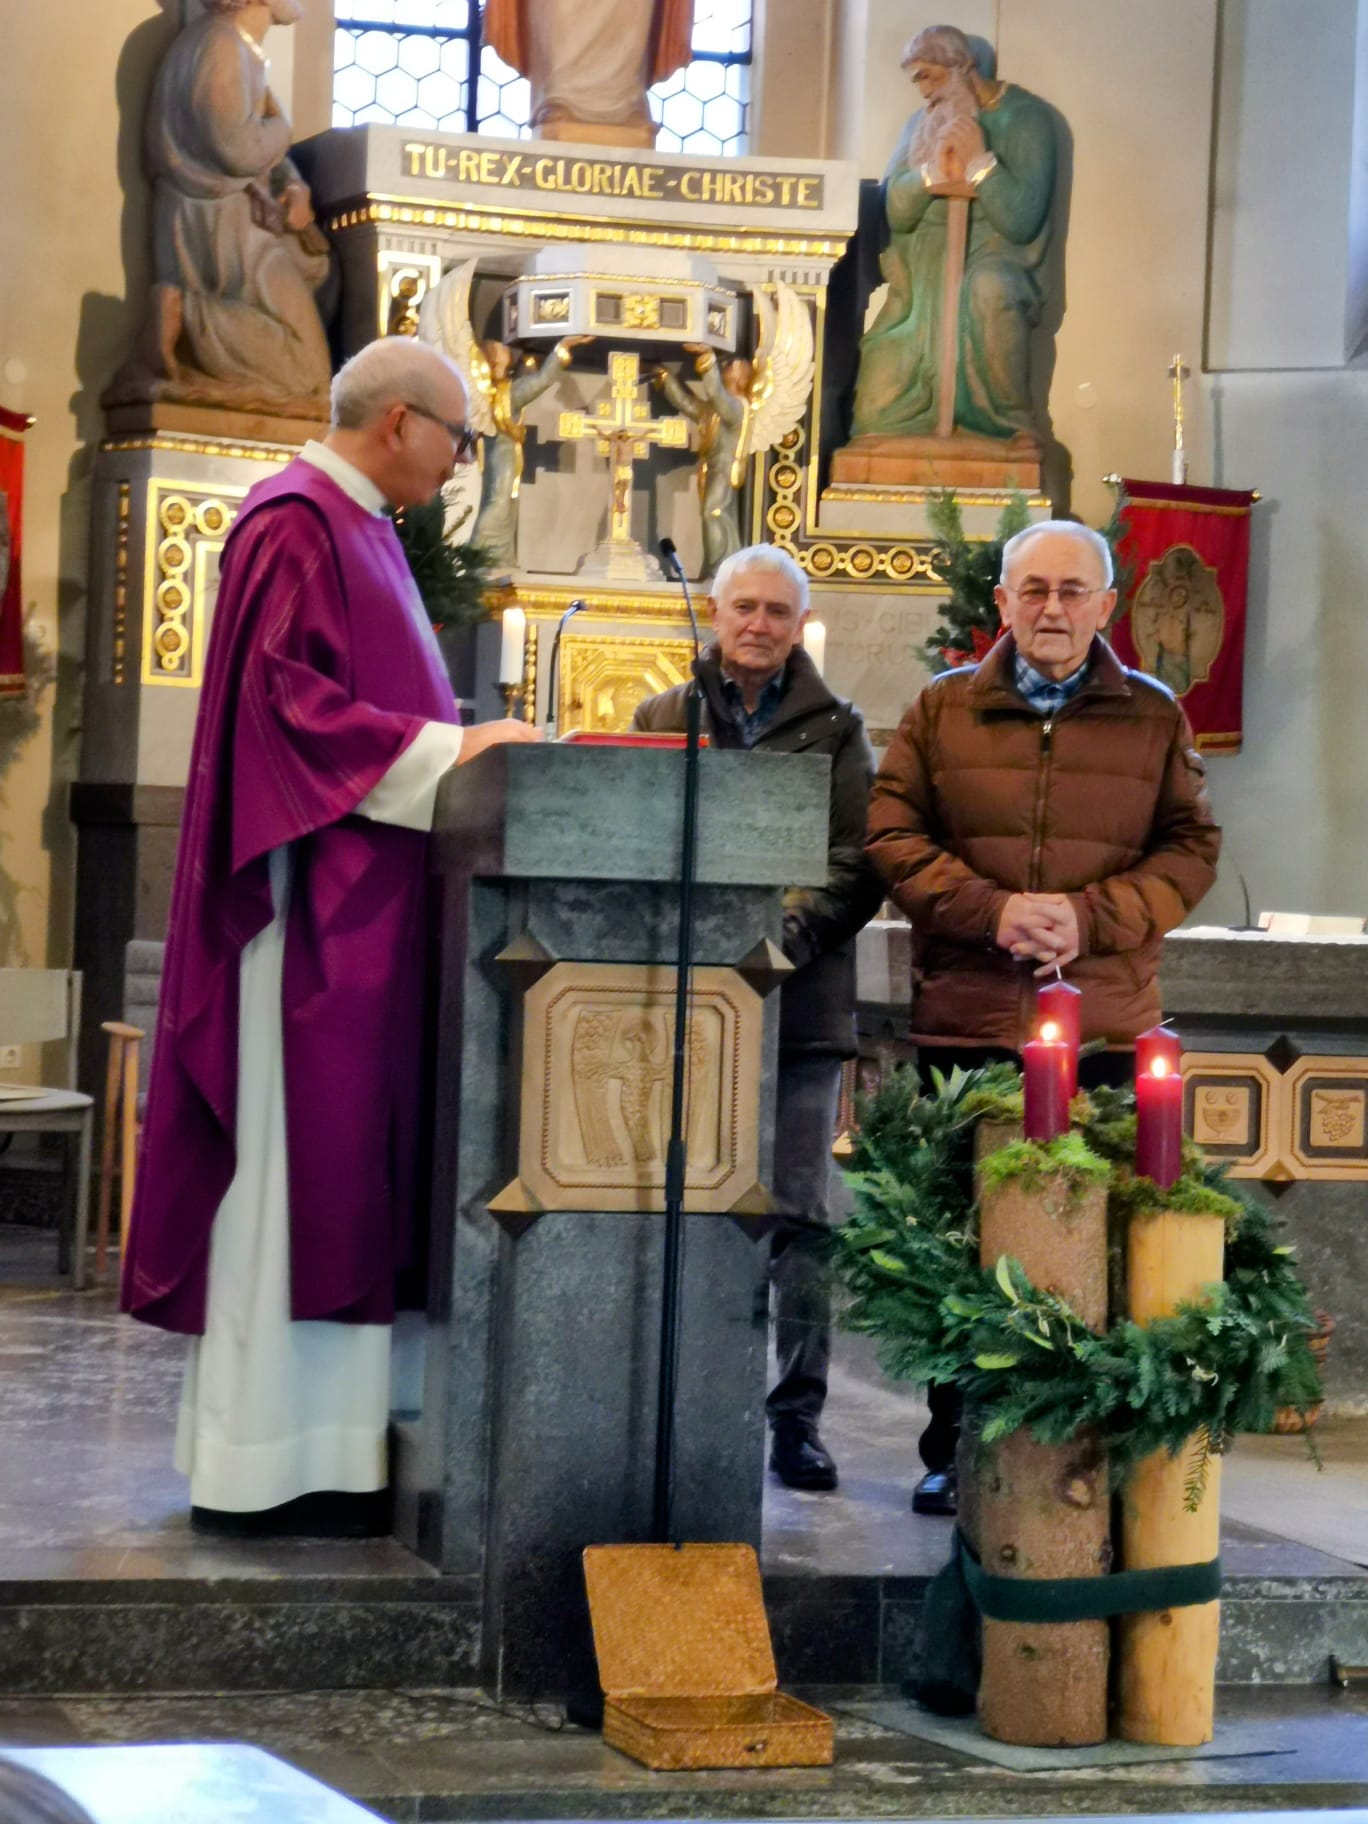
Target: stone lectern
<point>558,868</point>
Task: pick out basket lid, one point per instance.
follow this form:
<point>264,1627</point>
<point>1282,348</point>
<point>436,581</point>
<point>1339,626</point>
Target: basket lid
<point>678,1621</point>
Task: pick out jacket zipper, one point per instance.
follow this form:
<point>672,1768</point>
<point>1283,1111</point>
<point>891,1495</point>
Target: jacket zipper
<point>1027,1010</point>
<point>1038,818</point>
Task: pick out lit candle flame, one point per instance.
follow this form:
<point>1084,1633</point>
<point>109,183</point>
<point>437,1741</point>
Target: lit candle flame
<point>1159,1067</point>
<point>1049,1032</point>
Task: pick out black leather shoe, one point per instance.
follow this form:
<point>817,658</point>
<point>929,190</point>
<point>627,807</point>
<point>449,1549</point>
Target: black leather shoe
<point>325,1515</point>
<point>936,1493</point>
<point>800,1459</point>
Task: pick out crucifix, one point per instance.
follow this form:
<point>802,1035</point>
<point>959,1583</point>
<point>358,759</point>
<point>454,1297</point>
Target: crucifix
<point>623,430</point>
<point>1178,373</point>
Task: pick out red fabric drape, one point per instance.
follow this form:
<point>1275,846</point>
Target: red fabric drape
<point>1184,622</point>
<point>12,428</point>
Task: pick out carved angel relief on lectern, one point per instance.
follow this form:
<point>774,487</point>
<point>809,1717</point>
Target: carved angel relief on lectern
<point>598,1043</point>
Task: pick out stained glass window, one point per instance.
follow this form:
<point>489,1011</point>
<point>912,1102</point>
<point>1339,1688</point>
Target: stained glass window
<point>410,63</point>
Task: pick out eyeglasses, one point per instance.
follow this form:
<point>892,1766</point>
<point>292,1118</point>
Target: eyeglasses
<point>464,437</point>
<point>1036,595</point>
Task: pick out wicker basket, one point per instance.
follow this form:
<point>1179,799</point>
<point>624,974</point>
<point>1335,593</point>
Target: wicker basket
<point>686,1664</point>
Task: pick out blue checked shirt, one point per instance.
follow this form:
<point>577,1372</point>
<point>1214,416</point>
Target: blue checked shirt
<point>751,724</point>
<point>1045,696</point>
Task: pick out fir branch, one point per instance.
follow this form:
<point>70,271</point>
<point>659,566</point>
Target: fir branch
<point>908,1257</point>
<point>451,578</point>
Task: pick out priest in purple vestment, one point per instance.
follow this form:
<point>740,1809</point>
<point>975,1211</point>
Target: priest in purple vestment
<point>277,1183</point>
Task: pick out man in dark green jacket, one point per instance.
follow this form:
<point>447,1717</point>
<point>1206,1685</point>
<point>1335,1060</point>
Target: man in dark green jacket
<point>761,690</point>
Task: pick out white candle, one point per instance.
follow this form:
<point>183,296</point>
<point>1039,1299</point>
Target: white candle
<point>513,636</point>
<point>1179,467</point>
<point>814,640</point>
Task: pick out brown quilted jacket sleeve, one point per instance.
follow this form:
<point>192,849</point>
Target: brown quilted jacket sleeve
<point>1141,904</point>
<point>941,895</point>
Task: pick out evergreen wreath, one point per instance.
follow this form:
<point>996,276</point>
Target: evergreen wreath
<point>908,1257</point>
<point>969,621</point>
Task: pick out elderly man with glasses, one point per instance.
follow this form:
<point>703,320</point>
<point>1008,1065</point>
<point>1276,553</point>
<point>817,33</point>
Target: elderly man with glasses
<point>279,1186</point>
<point>1043,810</point>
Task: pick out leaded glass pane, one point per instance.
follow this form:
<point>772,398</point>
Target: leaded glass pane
<point>399,78</point>
<point>724,26</point>
<point>503,99</point>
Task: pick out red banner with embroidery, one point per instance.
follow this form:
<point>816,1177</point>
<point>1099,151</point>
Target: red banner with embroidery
<point>12,428</point>
<point>1184,621</point>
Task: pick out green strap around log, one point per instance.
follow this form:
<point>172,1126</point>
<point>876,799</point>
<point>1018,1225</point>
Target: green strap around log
<point>1176,1586</point>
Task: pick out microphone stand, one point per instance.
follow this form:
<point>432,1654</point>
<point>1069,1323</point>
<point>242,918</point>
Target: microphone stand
<point>676,1154</point>
<point>576,607</point>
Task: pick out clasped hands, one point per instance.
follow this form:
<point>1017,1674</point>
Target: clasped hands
<point>1039,927</point>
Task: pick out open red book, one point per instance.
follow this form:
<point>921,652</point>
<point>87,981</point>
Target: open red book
<point>584,737</point>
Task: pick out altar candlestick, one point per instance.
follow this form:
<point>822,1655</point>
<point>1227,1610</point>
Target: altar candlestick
<point>513,635</point>
<point>814,643</point>
<point>1159,1123</point>
<point>1158,1042</point>
<point>1045,1085</point>
<point>1059,1004</point>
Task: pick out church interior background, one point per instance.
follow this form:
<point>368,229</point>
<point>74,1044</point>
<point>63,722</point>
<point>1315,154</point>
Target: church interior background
<point>1212,200</point>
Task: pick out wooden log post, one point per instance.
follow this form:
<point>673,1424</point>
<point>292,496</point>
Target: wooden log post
<point>1166,1685</point>
<point>1043,1510</point>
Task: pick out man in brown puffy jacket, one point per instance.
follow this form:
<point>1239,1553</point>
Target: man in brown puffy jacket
<point>1045,809</point>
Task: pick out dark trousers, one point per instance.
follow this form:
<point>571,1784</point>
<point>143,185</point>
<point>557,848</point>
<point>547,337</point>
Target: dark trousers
<point>940,1440</point>
<point>800,1275</point>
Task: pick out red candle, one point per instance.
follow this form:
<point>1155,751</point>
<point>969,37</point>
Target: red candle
<point>1159,1042</point>
<point>1159,1123</point>
<point>1060,1004</point>
<point>1045,1085</point>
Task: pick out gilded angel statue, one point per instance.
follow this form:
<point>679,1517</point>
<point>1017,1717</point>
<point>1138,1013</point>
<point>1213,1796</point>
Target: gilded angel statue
<point>744,408</point>
<point>497,393</point>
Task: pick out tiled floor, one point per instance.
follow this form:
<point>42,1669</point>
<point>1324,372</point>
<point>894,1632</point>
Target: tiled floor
<point>88,1490</point>
<point>443,1755</point>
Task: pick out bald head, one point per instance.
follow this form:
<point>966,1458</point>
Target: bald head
<point>394,370</point>
<point>399,415</point>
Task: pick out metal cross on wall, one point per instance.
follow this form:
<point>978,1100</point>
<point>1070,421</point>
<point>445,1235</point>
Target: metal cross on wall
<point>624,430</point>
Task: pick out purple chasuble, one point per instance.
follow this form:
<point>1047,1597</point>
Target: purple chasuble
<point>318,678</point>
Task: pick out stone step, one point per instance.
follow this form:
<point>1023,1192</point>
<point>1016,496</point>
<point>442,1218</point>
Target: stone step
<point>345,1632</point>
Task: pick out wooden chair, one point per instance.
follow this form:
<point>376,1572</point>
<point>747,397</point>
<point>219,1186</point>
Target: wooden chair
<point>126,1078</point>
<point>40,1007</point>
<point>122,1129</point>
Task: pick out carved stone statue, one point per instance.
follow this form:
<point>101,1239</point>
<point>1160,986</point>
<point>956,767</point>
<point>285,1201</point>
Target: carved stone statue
<point>237,254</point>
<point>745,407</point>
<point>498,394</point>
<point>590,62</point>
<point>969,194</point>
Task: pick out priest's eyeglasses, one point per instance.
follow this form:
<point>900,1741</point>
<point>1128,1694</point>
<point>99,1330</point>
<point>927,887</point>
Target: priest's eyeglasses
<point>1035,595</point>
<point>464,437</point>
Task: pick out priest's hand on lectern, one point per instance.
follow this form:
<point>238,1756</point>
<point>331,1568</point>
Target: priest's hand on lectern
<point>481,735</point>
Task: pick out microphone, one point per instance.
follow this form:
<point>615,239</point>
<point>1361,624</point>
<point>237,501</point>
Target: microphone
<point>576,607</point>
<point>670,558</point>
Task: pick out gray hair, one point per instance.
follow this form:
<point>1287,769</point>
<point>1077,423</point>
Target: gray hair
<point>1083,535</point>
<point>762,557</point>
<point>944,45</point>
<point>395,370</point>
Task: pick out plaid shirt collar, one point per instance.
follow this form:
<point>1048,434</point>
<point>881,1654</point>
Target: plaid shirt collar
<point>1044,695</point>
<point>751,724</point>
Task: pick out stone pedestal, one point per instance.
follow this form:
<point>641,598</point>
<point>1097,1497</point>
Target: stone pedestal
<point>163,503</point>
<point>956,461</point>
<point>536,1433</point>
